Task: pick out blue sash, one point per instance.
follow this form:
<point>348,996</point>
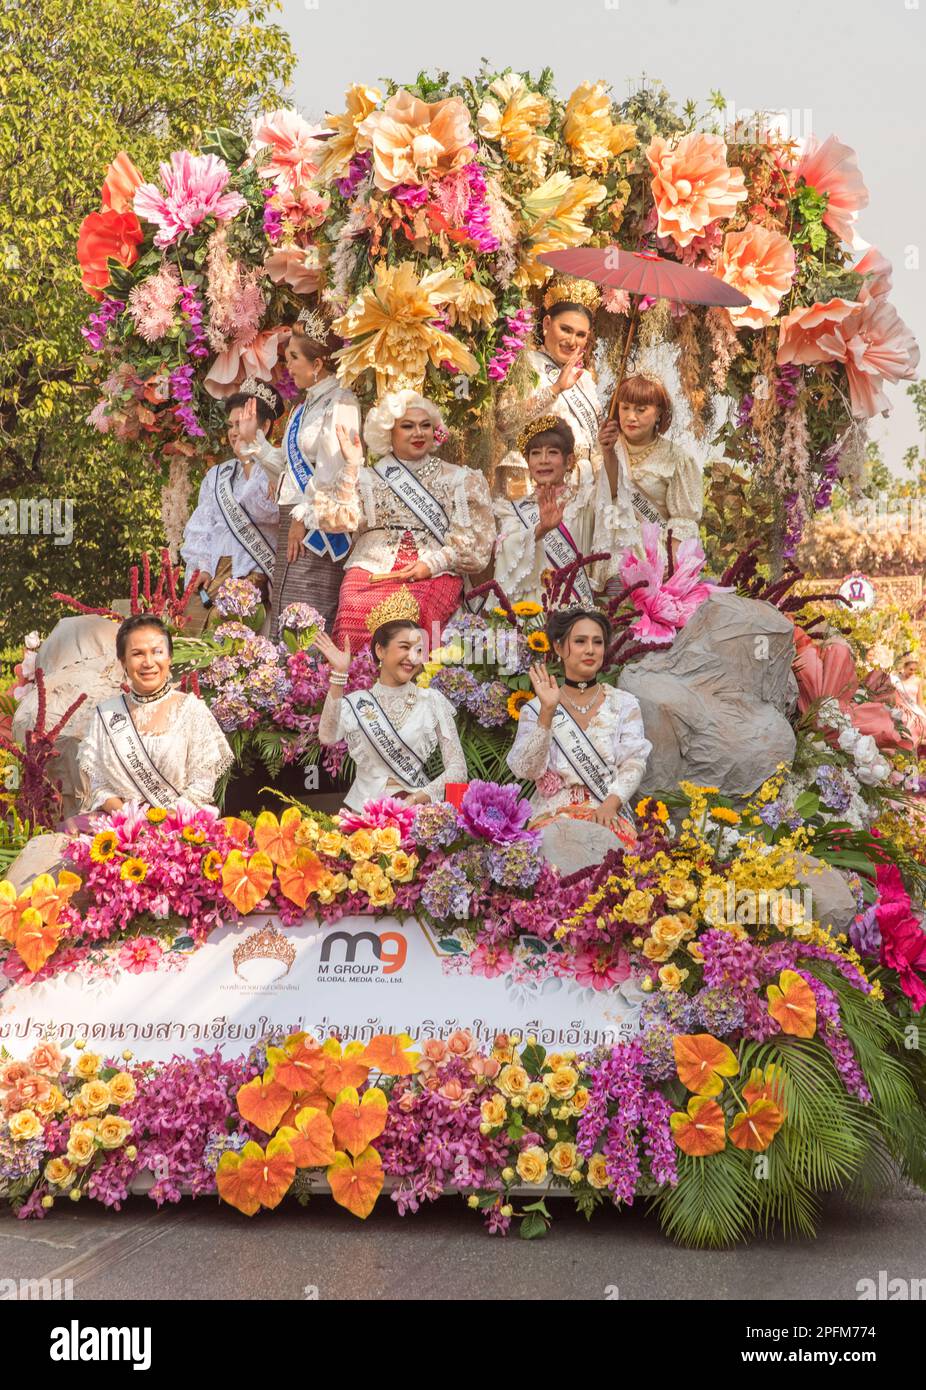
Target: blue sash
<point>333,543</point>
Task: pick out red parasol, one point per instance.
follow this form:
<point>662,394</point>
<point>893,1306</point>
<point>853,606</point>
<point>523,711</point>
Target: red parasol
<point>642,273</point>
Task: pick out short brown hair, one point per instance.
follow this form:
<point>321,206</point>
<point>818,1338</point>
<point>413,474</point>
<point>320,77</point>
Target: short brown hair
<point>643,390</point>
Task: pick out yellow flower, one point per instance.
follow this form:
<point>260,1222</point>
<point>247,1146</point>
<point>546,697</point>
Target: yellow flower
<point>156,814</point>
<point>337,882</point>
<point>113,1131</point>
<point>513,116</point>
<point>94,1097</point>
<point>307,831</point>
<point>414,140</point>
<point>597,1171</point>
<point>670,977</point>
<point>516,700</point>
<point>135,870</point>
<point>340,149</point>
<point>669,930</point>
<point>403,866</point>
<point>786,912</point>
<point>103,846</point>
<point>563,1158</point>
<point>472,307</point>
<point>725,814</point>
<point>387,838</point>
<point>562,1083</point>
<point>494,1111</point>
<point>360,844</point>
<point>678,891</point>
<point>425,677</point>
<point>81,1145</point>
<point>532,1164</point>
<point>538,642</point>
<point>212,865</point>
<point>657,950</point>
<point>193,836</point>
<point>331,844</point>
<point>382,893</point>
<point>513,1080</point>
<point>25,1124</point>
<point>122,1088</point>
<point>579,1101</point>
<point>695,951</point>
<point>592,137</point>
<point>527,608</point>
<point>52,1103</point>
<point>636,907</point>
<point>88,1065</point>
<point>553,217</point>
<point>59,1172</point>
<point>538,1095</point>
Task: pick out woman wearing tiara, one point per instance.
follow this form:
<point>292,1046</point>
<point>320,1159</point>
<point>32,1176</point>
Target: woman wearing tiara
<point>391,730</point>
<point>417,522</point>
<point>309,564</point>
<point>665,483</point>
<point>581,743</point>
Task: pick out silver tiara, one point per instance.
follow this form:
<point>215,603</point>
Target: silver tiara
<point>315,325</point>
<point>252,387</point>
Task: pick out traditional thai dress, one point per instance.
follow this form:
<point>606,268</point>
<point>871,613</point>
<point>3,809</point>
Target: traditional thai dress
<point>910,708</point>
<point>159,752</point>
<point>573,770</point>
<point>579,406</point>
<point>391,732</point>
<point>399,512</point>
<point>232,533</point>
<point>310,456</point>
<point>666,487</point>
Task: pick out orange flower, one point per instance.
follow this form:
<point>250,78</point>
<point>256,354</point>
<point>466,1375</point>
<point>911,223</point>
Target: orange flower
<point>699,1130</point>
<point>298,1068</point>
<point>702,1062</point>
<point>356,1183</point>
<point>760,263</point>
<point>693,185</point>
<point>756,1128</point>
<point>358,1120</point>
<point>312,1139</point>
<point>410,137</point>
<point>807,336</point>
<point>388,1053</point>
<point>255,1178</point>
<point>766,1085</point>
<point>263,1102</point>
<point>831,168</point>
<point>35,939</point>
<point>106,236</point>
<point>122,179</point>
<point>278,837</point>
<point>339,150</point>
<point>792,1005</point>
<point>514,116</point>
<point>246,881</point>
<point>302,877</point>
<point>343,1069</point>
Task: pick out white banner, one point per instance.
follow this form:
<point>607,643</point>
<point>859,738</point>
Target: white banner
<point>356,978</point>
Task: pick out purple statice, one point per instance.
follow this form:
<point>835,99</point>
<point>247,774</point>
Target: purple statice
<point>98,323</point>
<point>718,1011</point>
<point>273,216</point>
<point>495,813</point>
<point>515,335</point>
<point>237,598</point>
<point>435,826</point>
<point>834,785</point>
<point>19,1158</point>
<point>181,383</point>
<point>488,704</point>
<point>515,866</point>
<point>357,171</point>
<point>658,1141</point>
<point>865,934</point>
<point>192,310</point>
<point>456,684</point>
<point>447,892</point>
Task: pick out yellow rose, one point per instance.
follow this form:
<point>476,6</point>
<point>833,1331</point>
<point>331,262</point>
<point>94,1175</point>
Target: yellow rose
<point>360,844</point>
<point>337,883</point>
<point>25,1124</point>
<point>325,895</point>
<point>579,1100</point>
<point>382,894</point>
<point>95,1097</point>
<point>636,907</point>
<point>113,1131</point>
<point>537,1094</point>
<point>331,843</point>
<point>387,838</point>
<point>597,1172</point>
<point>532,1164</point>
<point>694,950</point>
<point>670,977</point>
<point>307,831</point>
<point>555,1060</point>
<point>513,1080</point>
<point>678,891</point>
<point>87,1065</point>
<point>122,1088</point>
<point>52,1103</point>
<point>403,866</point>
<point>59,1172</point>
<point>563,1158</point>
<point>668,931</point>
<point>654,950</point>
<point>366,873</point>
<point>81,1145</point>
<point>562,1083</point>
<point>494,1111</point>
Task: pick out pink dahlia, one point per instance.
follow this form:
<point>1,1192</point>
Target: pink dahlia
<point>377,815</point>
<point>490,961</point>
<point>194,189</point>
<point>139,954</point>
<point>597,971</point>
<point>665,605</point>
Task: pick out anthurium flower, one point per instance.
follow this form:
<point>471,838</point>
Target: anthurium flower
<point>278,837</point>
<point>237,830</point>
<point>388,1053</point>
<point>34,939</point>
<point>263,1102</point>
<point>300,878</point>
<point>756,1128</point>
<point>702,1061</point>
<point>358,1120</point>
<point>233,1181</point>
<point>268,1173</point>
<point>766,1085</point>
<point>699,1130</point>
<point>246,881</point>
<point>311,1138</point>
<point>343,1068</point>
<point>11,908</point>
<point>299,1069</point>
<point>356,1183</point>
<point>792,1005</point>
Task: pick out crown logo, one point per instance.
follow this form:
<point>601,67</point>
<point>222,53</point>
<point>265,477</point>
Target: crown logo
<point>313,324</point>
<point>565,289</point>
<point>252,387</point>
<point>530,431</point>
<point>266,944</point>
<point>400,605</point>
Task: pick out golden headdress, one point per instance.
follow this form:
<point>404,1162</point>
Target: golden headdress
<point>400,605</point>
<point>535,427</point>
<point>565,289</point>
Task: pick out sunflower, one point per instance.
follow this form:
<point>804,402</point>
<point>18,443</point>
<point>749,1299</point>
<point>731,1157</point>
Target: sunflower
<point>103,846</point>
<point>502,613</point>
<point>135,870</point>
<point>193,836</point>
<point>156,814</point>
<point>212,865</point>
<point>516,700</point>
<point>538,642</point>
<point>527,608</point>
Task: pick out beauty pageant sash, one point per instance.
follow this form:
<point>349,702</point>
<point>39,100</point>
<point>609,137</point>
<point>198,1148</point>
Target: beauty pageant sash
<point>375,723</point>
<point>245,531</point>
<point>558,546</point>
<point>583,410</point>
<point>302,471</point>
<point>581,754</point>
<point>412,492</point>
<point>132,755</point>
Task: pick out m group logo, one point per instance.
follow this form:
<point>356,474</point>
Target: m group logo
<point>362,956</point>
<point>76,1343</point>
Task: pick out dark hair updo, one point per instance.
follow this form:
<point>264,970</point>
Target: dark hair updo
<point>265,413</point>
<point>140,620</point>
<point>566,306</point>
<point>386,631</point>
<point>561,622</point>
<point>314,349</point>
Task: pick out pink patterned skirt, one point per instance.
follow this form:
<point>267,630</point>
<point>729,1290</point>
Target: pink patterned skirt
<point>438,599</point>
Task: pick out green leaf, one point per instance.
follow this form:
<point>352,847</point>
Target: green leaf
<point>532,1058</point>
<point>225,143</point>
<point>534,1226</point>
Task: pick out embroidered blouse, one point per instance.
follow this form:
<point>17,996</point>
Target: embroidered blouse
<point>579,406</point>
<point>425,719</point>
<point>326,405</point>
<point>182,739</point>
<point>207,535</point>
<point>672,481</point>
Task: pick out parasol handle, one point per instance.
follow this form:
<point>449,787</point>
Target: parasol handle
<point>631,330</point>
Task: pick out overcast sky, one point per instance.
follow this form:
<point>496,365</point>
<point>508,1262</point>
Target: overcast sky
<point>858,67</point>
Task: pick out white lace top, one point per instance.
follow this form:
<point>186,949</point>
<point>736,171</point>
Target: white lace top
<point>327,404</point>
<point>207,535</point>
<point>180,736</point>
<point>671,481</point>
<point>579,406</point>
<point>616,732</point>
<point>426,720</point>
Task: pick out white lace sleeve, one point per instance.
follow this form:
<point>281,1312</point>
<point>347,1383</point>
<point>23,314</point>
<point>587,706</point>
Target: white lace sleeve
<point>685,496</point>
<point>529,755</point>
<point>268,456</point>
<point>208,754</point>
<point>199,532</point>
<point>339,502</point>
<point>513,411</point>
<point>451,750</point>
<point>91,759</point>
<point>331,723</point>
<point>467,547</point>
<point>329,461</point>
<point>632,748</point>
<point>516,553</point>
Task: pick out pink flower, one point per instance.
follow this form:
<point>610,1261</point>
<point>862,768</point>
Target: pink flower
<point>692,184</point>
<point>592,969</point>
<point>295,150</point>
<point>877,270</point>
<point>760,264</point>
<point>140,954</point>
<point>489,1067</point>
<point>12,1073</point>
<point>296,266</point>
<point>256,358</point>
<point>490,961</point>
<point>804,332</point>
<point>377,815</point>
<point>47,1058</point>
<point>433,1053</point>
<point>194,187</point>
<point>876,346</point>
<point>903,941</point>
<point>664,607</point>
<point>461,1043</point>
<point>832,168</point>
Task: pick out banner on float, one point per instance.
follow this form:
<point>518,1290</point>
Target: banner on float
<point>356,978</point>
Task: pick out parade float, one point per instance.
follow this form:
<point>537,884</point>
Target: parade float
<point>722,1018</point>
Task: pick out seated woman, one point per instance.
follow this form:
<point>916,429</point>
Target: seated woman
<point>558,521</point>
<point>232,533</point>
<point>666,484</point>
<point>309,565</point>
<point>582,743</point>
<point>155,744</point>
<point>417,522</point>
<point>911,702</point>
<point>392,729</point>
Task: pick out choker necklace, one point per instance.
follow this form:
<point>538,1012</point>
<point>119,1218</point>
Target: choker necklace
<point>155,694</point>
<point>579,685</point>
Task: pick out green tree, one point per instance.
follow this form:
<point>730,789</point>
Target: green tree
<point>81,80</point>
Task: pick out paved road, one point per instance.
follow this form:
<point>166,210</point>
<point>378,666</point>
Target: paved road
<point>203,1250</point>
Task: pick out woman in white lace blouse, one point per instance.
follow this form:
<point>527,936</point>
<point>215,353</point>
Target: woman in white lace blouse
<point>582,744</point>
<point>154,744</point>
<point>392,729</point>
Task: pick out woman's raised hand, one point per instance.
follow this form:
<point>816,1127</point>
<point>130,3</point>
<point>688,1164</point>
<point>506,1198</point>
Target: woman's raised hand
<point>349,440</point>
<point>338,660</point>
<point>570,371</point>
<point>546,686</point>
<point>247,421</point>
<point>549,506</point>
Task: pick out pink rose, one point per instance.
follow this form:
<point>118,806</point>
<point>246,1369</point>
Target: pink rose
<point>47,1058</point>
<point>14,1072</point>
<point>461,1043</point>
<point>489,1067</point>
<point>452,1090</point>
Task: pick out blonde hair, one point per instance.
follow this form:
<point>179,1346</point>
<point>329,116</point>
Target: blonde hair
<point>379,424</point>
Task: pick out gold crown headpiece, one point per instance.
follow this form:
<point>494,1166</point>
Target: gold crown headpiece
<point>313,324</point>
<point>267,944</point>
<point>647,376</point>
<point>535,427</point>
<point>252,387</point>
<point>565,289</point>
<point>400,605</point>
